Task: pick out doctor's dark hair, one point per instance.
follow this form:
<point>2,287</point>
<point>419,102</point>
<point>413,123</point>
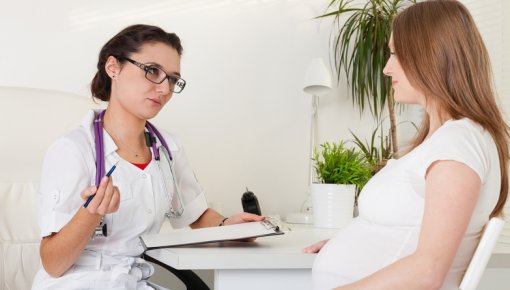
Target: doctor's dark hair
<point>443,55</point>
<point>126,42</point>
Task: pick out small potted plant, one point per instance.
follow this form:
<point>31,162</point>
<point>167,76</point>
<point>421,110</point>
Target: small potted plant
<point>340,171</point>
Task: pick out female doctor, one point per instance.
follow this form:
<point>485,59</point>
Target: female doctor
<point>138,72</point>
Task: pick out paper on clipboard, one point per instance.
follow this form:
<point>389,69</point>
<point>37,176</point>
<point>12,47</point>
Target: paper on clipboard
<point>212,234</point>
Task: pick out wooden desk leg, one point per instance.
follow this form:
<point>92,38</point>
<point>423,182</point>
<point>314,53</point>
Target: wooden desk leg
<point>257,279</point>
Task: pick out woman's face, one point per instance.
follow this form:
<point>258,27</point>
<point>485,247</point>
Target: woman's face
<point>131,91</point>
<point>405,93</point>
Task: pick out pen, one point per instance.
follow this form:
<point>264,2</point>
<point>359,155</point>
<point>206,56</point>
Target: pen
<point>107,175</point>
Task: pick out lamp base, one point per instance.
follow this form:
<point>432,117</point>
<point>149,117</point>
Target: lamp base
<point>299,218</point>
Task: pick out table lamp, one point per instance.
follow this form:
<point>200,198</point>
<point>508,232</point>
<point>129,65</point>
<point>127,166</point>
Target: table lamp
<point>317,82</point>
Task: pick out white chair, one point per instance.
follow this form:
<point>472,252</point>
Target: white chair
<point>482,254</point>
<point>31,119</point>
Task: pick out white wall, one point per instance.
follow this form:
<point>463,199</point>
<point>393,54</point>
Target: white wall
<point>243,117</point>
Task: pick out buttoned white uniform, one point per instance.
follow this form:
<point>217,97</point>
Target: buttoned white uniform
<point>391,208</point>
<point>111,262</point>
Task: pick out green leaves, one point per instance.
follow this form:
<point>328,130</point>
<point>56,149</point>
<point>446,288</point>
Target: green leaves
<point>339,165</point>
<point>377,151</point>
<point>361,48</point>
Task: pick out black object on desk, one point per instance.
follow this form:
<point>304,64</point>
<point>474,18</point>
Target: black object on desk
<point>250,203</point>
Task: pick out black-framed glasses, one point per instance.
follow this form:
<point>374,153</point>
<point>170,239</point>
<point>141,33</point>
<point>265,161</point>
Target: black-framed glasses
<point>156,75</point>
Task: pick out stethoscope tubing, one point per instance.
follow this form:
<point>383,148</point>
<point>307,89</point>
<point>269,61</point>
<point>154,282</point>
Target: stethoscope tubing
<point>99,144</point>
<point>100,163</point>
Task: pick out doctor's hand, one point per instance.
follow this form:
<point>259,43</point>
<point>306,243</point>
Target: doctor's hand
<point>243,217</point>
<point>106,199</point>
<point>315,248</point>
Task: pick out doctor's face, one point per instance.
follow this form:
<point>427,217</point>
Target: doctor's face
<point>405,93</point>
<point>131,88</point>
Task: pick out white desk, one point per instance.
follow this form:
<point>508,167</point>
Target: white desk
<point>275,262</point>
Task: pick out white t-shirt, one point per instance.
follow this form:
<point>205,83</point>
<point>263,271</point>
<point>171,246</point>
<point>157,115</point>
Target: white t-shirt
<point>69,167</point>
<point>391,208</point>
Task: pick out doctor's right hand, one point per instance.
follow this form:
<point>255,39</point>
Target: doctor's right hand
<point>106,199</point>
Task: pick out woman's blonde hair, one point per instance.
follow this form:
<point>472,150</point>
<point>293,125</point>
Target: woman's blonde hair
<point>443,55</point>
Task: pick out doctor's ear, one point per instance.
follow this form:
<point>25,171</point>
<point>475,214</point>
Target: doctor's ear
<point>112,66</point>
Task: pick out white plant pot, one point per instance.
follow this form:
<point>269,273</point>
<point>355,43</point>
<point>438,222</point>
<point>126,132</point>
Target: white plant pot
<point>333,204</point>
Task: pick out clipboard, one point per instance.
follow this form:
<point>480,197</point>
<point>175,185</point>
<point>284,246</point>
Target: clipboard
<point>209,235</point>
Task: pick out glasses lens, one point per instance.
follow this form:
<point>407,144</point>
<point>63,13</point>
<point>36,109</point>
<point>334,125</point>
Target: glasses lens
<point>176,84</point>
<point>179,85</point>
<point>154,74</point>
<point>157,76</point>
<point>170,185</point>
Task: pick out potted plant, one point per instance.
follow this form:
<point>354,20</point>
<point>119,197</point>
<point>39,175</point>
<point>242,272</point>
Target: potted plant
<point>341,172</point>
<point>360,48</point>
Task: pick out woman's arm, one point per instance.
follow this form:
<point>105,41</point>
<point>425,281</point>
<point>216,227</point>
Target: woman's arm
<point>59,251</point>
<point>451,192</point>
<point>209,218</point>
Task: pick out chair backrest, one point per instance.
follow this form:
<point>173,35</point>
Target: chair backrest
<point>31,119</point>
<point>482,254</point>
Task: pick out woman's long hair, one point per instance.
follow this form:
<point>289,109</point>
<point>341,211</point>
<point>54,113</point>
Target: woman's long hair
<point>443,55</point>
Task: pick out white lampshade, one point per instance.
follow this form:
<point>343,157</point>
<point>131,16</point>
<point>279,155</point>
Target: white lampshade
<point>317,78</point>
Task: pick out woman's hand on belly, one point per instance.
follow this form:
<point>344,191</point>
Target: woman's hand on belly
<point>315,248</point>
